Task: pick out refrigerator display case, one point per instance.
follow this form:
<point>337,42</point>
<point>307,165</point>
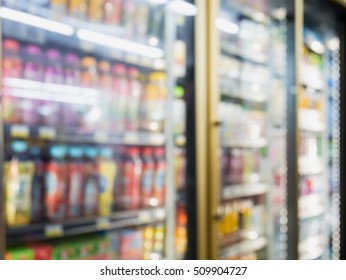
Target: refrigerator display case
<point>247,133</point>
<point>89,163</point>
<point>317,128</point>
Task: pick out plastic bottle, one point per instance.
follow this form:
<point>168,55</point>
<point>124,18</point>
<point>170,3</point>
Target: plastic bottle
<point>128,21</point>
<point>181,231</point>
<point>119,97</point>
<point>112,12</point>
<point>90,79</point>
<point>133,99</point>
<point>105,85</point>
<point>107,172</point>
<point>78,9</point>
<point>72,112</point>
<point>18,175</point>
<point>90,199</point>
<point>160,176</point>
<point>12,67</point>
<point>75,181</point>
<point>120,158</point>
<point>33,70</point>
<point>95,11</point>
<point>147,181</point>
<point>53,74</point>
<point>58,7</point>
<point>141,19</point>
<point>37,194</point>
<point>56,184</point>
<point>131,185</point>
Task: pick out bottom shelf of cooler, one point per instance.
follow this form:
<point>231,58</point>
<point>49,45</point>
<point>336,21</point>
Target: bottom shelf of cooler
<point>243,247</point>
<point>44,231</point>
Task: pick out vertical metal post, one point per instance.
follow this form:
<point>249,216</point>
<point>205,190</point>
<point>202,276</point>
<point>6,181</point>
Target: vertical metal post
<point>295,22</point>
<point>170,35</point>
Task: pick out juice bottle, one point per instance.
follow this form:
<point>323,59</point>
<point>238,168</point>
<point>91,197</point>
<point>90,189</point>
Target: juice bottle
<point>53,75</point>
<point>107,173</point>
<point>95,10</point>
<point>89,79</point>
<point>58,8</point>
<point>33,70</point>
<point>119,99</point>
<point>181,231</point>
<point>128,20</point>
<point>56,184</point>
<point>90,199</point>
<point>160,176</point>
<point>75,180</point>
<point>112,12</point>
<point>78,9</point>
<point>12,67</point>
<point>105,85</point>
<point>147,180</point>
<point>37,194</point>
<point>133,99</point>
<point>18,176</point>
<point>72,112</point>
<point>141,19</point>
<point>131,185</point>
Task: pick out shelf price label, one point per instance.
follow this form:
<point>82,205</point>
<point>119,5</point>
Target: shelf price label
<point>54,230</point>
<point>47,133</point>
<point>20,131</point>
<point>103,223</point>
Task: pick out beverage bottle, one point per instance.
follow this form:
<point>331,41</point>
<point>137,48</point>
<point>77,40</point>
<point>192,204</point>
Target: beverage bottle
<point>56,184</point>
<point>119,97</point>
<point>90,195</point>
<point>128,20</point>
<point>141,19</point>
<point>133,99</point>
<point>131,185</point>
<point>89,79</point>
<point>75,180</point>
<point>18,175</point>
<point>156,21</point>
<point>53,74</point>
<point>37,194</point>
<point>181,231</point>
<point>120,158</point>
<point>112,12</point>
<point>72,112</point>
<point>33,70</point>
<point>160,176</point>
<point>180,167</point>
<point>159,80</point>
<point>147,180</point>
<point>105,85</point>
<point>107,172</point>
<point>95,10</point>
<point>78,9</point>
<point>147,108</point>
<point>58,8</point>
<point>12,67</point>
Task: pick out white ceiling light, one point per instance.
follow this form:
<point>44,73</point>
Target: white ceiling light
<point>36,21</point>
<point>183,7</point>
<point>227,26</point>
<point>121,44</point>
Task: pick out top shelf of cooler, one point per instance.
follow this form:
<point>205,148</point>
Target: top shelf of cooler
<point>36,24</point>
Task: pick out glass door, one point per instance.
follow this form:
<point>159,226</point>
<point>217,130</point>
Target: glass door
<point>249,94</point>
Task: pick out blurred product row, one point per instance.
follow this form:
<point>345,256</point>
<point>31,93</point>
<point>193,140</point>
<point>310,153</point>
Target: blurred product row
<point>171,129</point>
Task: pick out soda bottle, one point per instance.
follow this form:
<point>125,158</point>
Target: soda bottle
<point>53,74</point>
<point>160,176</point>
<point>33,70</point>
<point>12,67</point>
<point>112,12</point>
<point>147,180</point>
<point>120,89</point>
<point>131,185</point>
<point>133,99</point>
<point>78,9</point>
<point>75,179</point>
<point>72,112</point>
<point>95,10</point>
